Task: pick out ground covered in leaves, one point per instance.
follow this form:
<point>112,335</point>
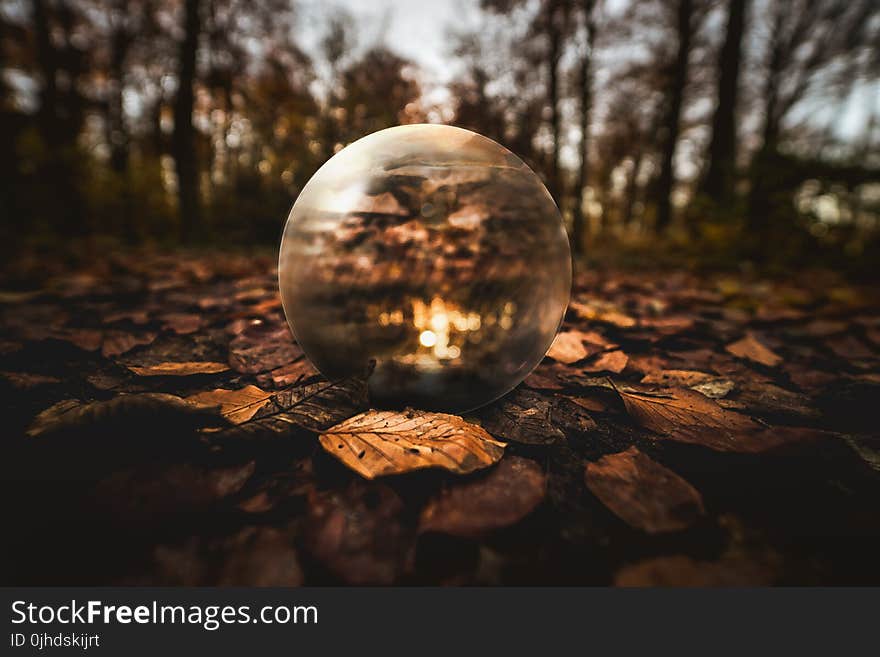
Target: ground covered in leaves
<point>162,427</point>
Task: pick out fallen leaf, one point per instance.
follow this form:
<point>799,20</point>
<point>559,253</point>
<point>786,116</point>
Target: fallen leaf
<point>313,407</point>
<point>567,347</point>
<point>591,403</point>
<point>178,369</point>
<point>643,493</point>
<point>357,533</point>
<point>27,380</point>
<point>117,343</point>
<point>85,339</point>
<point>524,417</point>
<point>182,323</point>
<point>145,495</point>
<point>121,413</point>
<point>379,443</point>
<point>610,361</point>
<point>751,348</point>
<point>850,348</point>
<point>236,406</point>
<point>262,347</point>
<point>683,571</point>
<point>254,556</point>
<point>685,415</point>
<point>707,384</point>
<point>599,311</point>
<point>502,497</point>
<point>298,371</point>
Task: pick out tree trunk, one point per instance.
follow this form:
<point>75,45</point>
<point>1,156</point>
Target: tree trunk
<point>719,179</point>
<point>578,218</point>
<point>632,189</point>
<point>554,36</point>
<point>59,117</point>
<point>183,139</point>
<point>118,132</point>
<point>762,162</point>
<point>673,115</point>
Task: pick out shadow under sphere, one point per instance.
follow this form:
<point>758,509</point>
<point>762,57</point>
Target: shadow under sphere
<point>433,252</point>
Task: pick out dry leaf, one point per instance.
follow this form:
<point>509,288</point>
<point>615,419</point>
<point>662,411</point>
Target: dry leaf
<point>687,416</point>
<point>357,533</point>
<point>751,348</point>
<point>610,361</point>
<point>287,375</point>
<point>178,369</point>
<point>28,380</point>
<point>707,384</point>
<point>523,416</point>
<point>567,347</point>
<point>123,413</point>
<point>117,343</point>
<point>237,406</point>
<point>500,498</point>
<point>182,323</point>
<point>683,571</point>
<point>592,310</point>
<point>85,339</point>
<point>643,493</point>
<point>262,347</point>
<point>254,556</point>
<point>379,443</point>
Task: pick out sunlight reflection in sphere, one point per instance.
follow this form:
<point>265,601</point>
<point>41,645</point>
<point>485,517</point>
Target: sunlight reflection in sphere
<point>435,253</point>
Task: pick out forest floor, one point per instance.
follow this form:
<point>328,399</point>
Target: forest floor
<point>162,427</point>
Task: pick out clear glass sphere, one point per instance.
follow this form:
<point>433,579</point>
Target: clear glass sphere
<point>431,254</point>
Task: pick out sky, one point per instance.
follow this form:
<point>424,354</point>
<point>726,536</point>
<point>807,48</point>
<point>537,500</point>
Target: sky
<point>416,29</point>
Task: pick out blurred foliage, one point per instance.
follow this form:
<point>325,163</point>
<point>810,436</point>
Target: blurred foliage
<point>705,109</point>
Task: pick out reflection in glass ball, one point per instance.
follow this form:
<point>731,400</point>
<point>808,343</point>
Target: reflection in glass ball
<point>432,252</point>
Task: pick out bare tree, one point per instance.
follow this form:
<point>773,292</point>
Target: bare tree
<point>718,181</point>
<point>678,78</point>
<point>184,137</point>
<point>811,45</point>
<point>585,93</point>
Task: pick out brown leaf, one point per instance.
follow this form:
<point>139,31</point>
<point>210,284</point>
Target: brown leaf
<point>610,361</point>
<point>683,571</point>
<point>182,323</point>
<point>542,379</point>
<point>262,347</point>
<point>643,493</point>
<point>147,494</point>
<point>287,375</point>
<point>379,443</point>
<point>27,380</point>
<point>357,533</point>
<point>500,498</point>
<point>523,416</point>
<point>125,412</point>
<point>254,556</point>
<point>599,311</point>
<point>850,348</point>
<point>117,343</point>
<point>751,348</point>
<point>178,369</point>
<point>567,347</point>
<point>236,406</point>
<point>85,339</point>
<point>687,416</point>
<point>591,403</point>
<point>707,384</point>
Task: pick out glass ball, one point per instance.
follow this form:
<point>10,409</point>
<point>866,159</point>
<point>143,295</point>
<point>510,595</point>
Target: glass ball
<point>432,258</point>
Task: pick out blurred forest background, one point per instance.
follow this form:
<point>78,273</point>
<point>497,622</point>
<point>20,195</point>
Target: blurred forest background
<point>720,131</point>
